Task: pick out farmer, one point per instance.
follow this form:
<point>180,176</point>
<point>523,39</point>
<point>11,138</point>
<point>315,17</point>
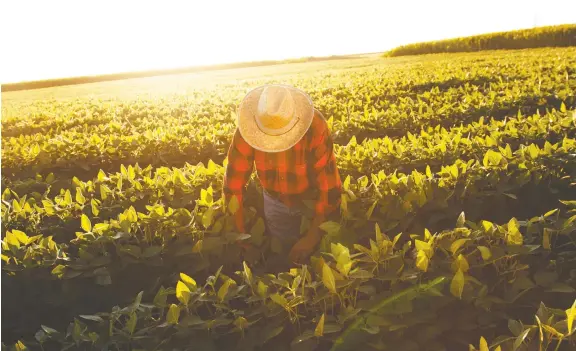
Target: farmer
<point>280,131</point>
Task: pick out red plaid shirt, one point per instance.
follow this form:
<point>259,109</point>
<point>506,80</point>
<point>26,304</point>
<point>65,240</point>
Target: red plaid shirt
<point>290,175</point>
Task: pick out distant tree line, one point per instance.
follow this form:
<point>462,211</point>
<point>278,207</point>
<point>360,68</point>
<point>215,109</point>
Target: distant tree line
<point>549,36</point>
<point>49,83</point>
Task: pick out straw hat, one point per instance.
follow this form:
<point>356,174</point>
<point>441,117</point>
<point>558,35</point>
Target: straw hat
<point>273,118</point>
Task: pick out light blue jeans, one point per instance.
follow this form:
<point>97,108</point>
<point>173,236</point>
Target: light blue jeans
<point>282,221</point>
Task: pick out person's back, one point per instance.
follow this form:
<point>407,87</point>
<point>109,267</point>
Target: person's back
<point>289,142</point>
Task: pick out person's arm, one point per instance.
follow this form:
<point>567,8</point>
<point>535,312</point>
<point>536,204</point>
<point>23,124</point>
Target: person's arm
<point>238,171</point>
<point>329,188</point>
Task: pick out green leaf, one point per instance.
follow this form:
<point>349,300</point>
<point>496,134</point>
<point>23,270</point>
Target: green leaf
<point>483,344</point>
<point>520,339</point>
<point>85,223</point>
<point>346,184</point>
<point>91,318</point>
<point>77,330</point>
<point>396,238</point>
<point>457,244</point>
<point>342,256</point>
<point>189,281</point>
<point>457,284</point>
<point>48,330</point>
<point>515,327</point>
<point>20,236</point>
<point>422,261</point>
<point>570,316</point>
<point>101,175</point>
<point>59,270</point>
<point>423,246</point>
<point>131,324</point>
<point>67,198</point>
<point>319,330</point>
<point>19,346</point>
<point>533,151</point>
<point>182,293</point>
<point>279,299</point>
<point>257,231</point>
<point>487,226</point>
<point>104,191</point>
<point>546,239</point>
<point>233,205</point>
<point>371,209</point>
<point>514,237</point>
<point>247,273</point>
<point>461,264</point>
<point>16,206</point>
<point>48,207</point>
<point>492,158</point>
<point>131,173</point>
<point>131,215</point>
<point>379,236</point>
<point>207,218</point>
<point>416,290</point>
<point>550,213</point>
<point>427,234</point>
<point>330,227</point>
<point>95,209</point>
<point>12,240</point>
<point>485,252</point>
<point>328,278</point>
<point>224,289</point>
<point>173,314</point>
<point>461,221</point>
<point>160,298</point>
<point>80,197</point>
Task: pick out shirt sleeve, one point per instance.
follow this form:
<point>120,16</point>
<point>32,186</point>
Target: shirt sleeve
<point>327,176</point>
<point>239,168</point>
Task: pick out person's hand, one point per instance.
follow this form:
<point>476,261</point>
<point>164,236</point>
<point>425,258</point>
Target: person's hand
<point>303,248</point>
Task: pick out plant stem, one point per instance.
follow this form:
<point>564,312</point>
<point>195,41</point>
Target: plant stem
<point>558,345</point>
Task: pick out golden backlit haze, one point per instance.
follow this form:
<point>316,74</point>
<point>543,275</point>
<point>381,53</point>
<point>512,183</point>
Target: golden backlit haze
<point>56,39</point>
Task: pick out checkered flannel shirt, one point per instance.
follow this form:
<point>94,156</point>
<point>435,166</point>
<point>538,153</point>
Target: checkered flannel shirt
<point>309,167</point>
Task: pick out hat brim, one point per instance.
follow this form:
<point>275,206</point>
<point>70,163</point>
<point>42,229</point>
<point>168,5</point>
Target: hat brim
<point>255,137</point>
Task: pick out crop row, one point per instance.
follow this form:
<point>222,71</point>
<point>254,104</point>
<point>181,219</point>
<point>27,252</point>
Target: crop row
<point>445,290</point>
<point>334,92</point>
<point>158,133</point>
<point>105,260</point>
<point>432,147</point>
<point>133,202</point>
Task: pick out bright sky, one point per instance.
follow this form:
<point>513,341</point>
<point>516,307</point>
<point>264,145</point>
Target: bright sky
<point>51,39</point>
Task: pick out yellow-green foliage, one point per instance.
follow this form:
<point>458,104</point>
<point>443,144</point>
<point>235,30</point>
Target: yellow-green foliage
<point>550,36</point>
<point>456,230</point>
